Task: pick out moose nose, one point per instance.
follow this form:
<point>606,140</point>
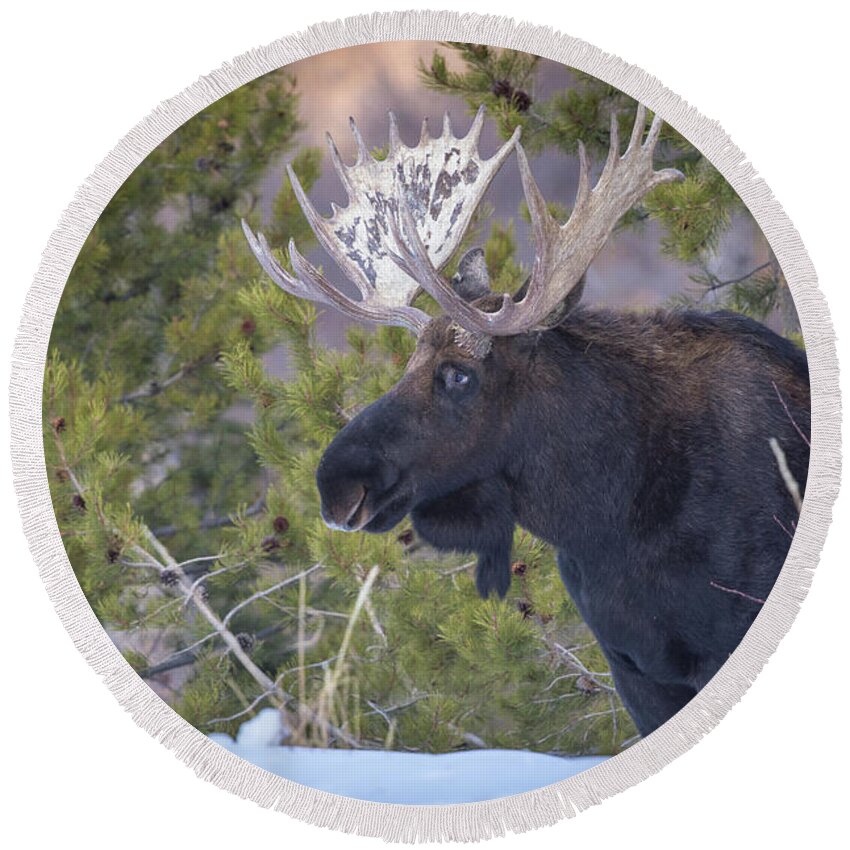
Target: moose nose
<point>353,481</point>
<point>346,510</point>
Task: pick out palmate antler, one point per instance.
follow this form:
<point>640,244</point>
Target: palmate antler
<point>563,252</point>
<point>408,213</point>
<point>439,184</point>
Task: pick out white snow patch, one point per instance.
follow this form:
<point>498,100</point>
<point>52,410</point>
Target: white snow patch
<point>386,776</point>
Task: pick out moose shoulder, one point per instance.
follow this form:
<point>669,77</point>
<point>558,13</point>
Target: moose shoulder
<point>638,445</point>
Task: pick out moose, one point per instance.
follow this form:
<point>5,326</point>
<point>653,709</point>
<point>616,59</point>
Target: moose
<point>653,450</point>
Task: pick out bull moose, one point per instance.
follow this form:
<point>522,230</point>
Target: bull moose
<point>652,450</point>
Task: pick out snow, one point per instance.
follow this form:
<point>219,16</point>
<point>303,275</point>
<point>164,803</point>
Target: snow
<point>386,776</point>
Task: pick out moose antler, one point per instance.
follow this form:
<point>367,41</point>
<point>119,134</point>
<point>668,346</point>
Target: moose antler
<point>563,253</point>
<point>438,184</point>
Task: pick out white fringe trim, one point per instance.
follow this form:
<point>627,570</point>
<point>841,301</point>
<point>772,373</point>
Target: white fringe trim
<point>474,821</point>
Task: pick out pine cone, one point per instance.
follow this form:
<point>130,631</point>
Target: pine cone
<point>525,608</point>
<point>169,578</point>
<point>587,686</point>
<point>78,502</point>
<point>58,424</point>
<point>269,544</point>
<point>502,88</point>
<point>519,568</point>
<point>248,326</point>
<point>521,101</point>
<point>280,524</point>
<point>246,641</point>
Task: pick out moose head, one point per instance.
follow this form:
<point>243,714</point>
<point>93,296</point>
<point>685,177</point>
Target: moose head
<point>436,445</point>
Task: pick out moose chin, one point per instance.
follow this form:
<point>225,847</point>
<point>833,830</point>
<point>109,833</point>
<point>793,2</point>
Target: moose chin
<point>652,450</point>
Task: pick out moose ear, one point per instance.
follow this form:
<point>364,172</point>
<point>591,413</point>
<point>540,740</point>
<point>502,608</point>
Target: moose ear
<point>472,279</point>
<point>566,306</point>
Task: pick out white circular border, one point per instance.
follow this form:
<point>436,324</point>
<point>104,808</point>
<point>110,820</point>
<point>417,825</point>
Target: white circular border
<point>471,821</point>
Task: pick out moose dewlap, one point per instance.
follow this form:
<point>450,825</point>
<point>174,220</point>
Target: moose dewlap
<point>415,453</point>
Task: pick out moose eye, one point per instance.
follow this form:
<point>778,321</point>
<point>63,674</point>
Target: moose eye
<point>456,379</point>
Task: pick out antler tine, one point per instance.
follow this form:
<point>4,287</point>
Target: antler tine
<point>338,164</point>
<point>321,289</point>
<point>654,132</point>
<point>637,128</point>
<point>447,125</point>
<point>314,283</point>
<point>395,137</point>
<point>261,250</point>
<point>613,150</point>
<point>309,283</point>
<point>363,154</point>
<point>583,190</point>
<point>474,134</point>
<point>544,228</point>
<point>319,226</point>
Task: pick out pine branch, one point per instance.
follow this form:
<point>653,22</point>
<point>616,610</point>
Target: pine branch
<point>716,284</point>
<point>213,522</point>
<point>162,561</point>
<point>189,655</point>
<point>154,388</point>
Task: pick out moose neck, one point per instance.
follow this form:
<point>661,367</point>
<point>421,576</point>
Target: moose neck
<point>581,434</point>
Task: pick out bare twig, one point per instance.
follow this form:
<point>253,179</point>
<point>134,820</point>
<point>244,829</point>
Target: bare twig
<point>302,667</point>
<point>720,284</point>
<point>785,471</point>
<point>783,527</point>
<point>740,593</point>
<point>577,663</point>
<point>591,716</point>
<point>327,693</point>
<point>571,695</point>
<point>455,570</point>
<point>204,558</point>
<point>261,594</point>
<point>791,419</point>
<point>247,710</point>
<point>373,619</point>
